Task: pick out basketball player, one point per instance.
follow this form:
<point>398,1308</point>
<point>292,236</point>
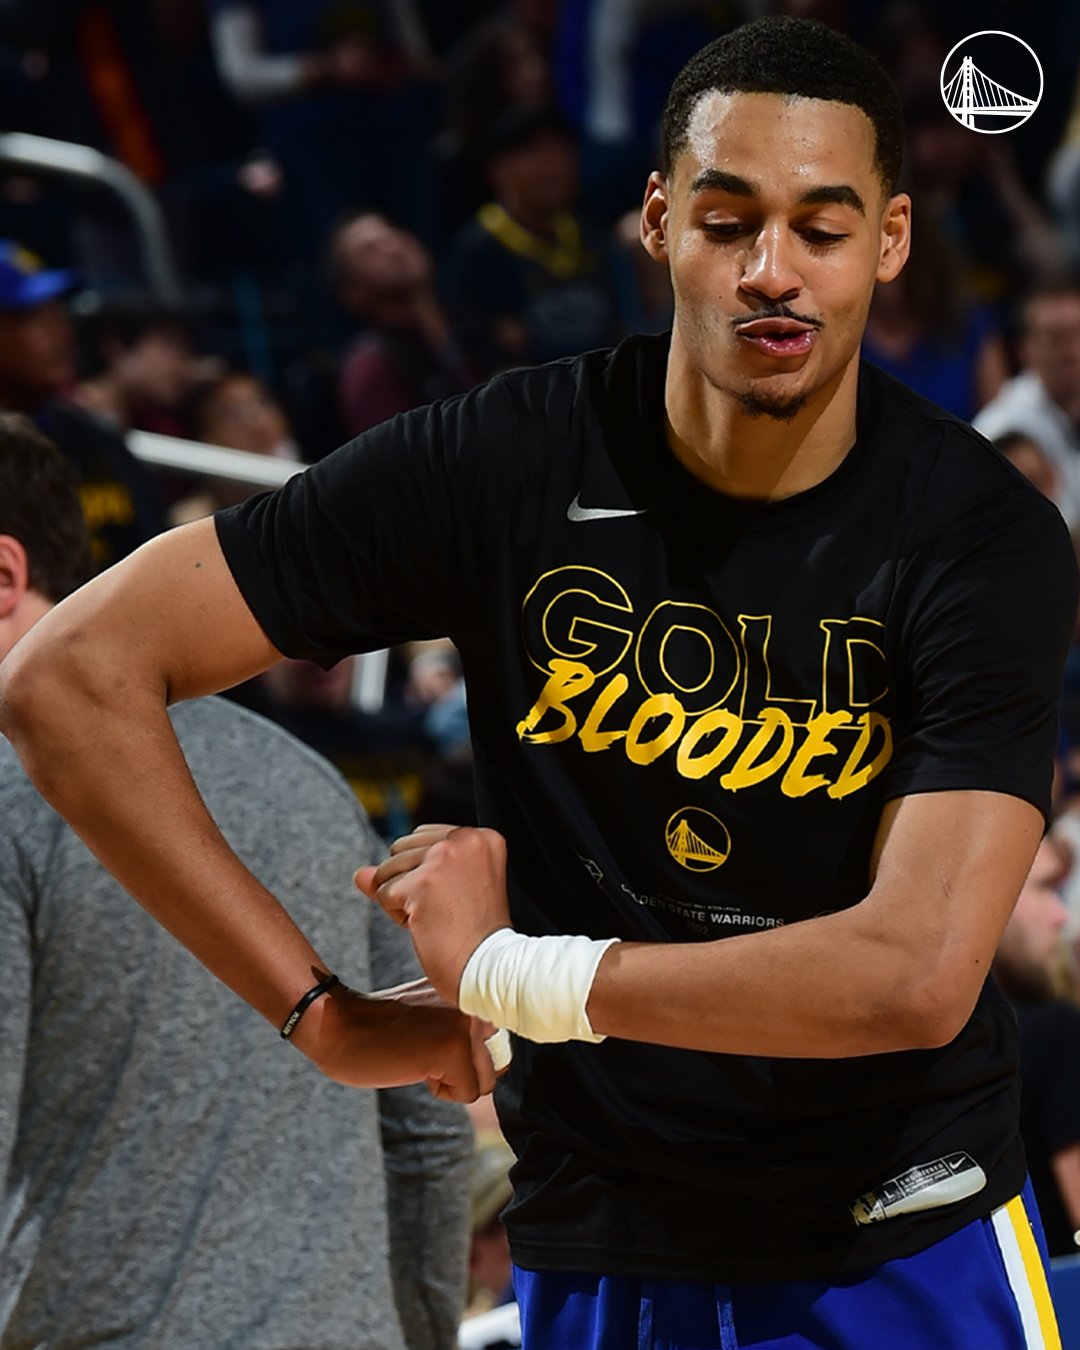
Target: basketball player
<point>763,654</point>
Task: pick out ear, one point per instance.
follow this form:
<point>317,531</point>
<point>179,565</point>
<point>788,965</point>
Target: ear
<point>14,574</point>
<point>654,217</point>
<point>895,237</point>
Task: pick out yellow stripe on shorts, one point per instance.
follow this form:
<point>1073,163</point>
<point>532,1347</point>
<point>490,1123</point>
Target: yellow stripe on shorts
<point>1026,1275</point>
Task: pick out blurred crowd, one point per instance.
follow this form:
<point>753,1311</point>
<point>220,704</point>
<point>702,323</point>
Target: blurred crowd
<point>376,203</point>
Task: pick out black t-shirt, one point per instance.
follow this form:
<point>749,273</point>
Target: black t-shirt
<point>1050,1106</point>
<point>687,712</point>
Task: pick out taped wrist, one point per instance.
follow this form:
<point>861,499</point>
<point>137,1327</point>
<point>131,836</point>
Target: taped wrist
<point>536,987</point>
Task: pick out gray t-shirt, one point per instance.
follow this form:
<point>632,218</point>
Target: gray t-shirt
<point>172,1175</point>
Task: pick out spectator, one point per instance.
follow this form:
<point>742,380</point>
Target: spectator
<point>502,63</point>
<point>334,89</point>
<point>236,411</point>
<point>974,188</point>
<point>1043,400</point>
<point>120,502</point>
<point>406,355</point>
<point>170,1174</point>
<point>1028,957</point>
<point>138,368</point>
<point>528,281</point>
<point>925,331</point>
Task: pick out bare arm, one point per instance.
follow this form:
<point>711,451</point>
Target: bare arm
<point>901,970</point>
<point>83,699</point>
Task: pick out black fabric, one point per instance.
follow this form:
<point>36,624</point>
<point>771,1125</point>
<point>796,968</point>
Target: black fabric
<point>686,722</point>
<point>1050,1106</point>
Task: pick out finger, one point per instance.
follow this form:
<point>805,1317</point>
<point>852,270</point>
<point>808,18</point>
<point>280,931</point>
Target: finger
<point>406,861</point>
<point>364,880</point>
<point>390,899</point>
<point>421,837</point>
<point>449,1091</point>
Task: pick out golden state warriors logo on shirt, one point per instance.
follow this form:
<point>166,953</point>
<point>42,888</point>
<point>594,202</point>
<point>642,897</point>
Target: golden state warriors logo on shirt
<point>704,692</point>
<point>697,839</point>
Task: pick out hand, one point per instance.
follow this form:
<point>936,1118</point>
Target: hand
<point>395,1037</point>
<point>447,886</point>
<point>488,1040</point>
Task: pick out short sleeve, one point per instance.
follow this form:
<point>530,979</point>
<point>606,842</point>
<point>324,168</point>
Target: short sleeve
<point>989,606</point>
<point>386,540</point>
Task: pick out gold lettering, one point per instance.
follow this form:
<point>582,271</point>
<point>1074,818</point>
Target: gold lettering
<point>656,705</point>
<point>796,781</point>
<point>691,766</point>
<point>851,779</point>
<point>566,681</point>
<point>592,738</point>
<point>745,772</point>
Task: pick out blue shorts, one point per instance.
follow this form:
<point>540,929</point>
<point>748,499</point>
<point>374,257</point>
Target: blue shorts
<point>983,1288</point>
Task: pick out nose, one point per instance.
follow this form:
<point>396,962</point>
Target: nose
<point>770,271</point>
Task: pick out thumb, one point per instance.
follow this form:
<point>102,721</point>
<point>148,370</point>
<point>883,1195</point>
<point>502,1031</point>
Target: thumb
<point>364,878</point>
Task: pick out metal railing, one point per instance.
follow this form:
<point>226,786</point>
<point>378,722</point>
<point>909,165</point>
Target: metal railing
<point>43,155</point>
<point>261,471</point>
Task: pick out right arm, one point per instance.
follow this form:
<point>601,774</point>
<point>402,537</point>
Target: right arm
<point>83,699</point>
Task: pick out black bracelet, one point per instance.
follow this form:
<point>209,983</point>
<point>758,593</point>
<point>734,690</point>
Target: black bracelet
<point>324,986</point>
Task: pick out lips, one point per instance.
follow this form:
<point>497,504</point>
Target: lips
<point>778,337</point>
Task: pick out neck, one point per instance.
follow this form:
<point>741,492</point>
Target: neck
<point>752,455</point>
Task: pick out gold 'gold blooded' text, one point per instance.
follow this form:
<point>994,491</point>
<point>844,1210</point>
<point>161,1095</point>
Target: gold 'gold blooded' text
<point>684,686</point>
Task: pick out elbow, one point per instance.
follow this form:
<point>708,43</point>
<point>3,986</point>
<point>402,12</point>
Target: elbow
<point>934,1009</point>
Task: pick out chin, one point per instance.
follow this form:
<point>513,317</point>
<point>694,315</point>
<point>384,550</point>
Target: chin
<point>780,407</point>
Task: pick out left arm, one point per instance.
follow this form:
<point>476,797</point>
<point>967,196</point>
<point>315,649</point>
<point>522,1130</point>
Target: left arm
<point>900,970</point>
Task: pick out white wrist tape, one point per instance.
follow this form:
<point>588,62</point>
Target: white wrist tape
<point>536,987</point>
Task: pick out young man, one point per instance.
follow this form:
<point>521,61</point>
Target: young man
<point>168,1175</point>
<point>760,647</point>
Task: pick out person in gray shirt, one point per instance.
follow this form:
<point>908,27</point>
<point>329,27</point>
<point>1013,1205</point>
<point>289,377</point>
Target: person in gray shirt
<point>172,1177</point>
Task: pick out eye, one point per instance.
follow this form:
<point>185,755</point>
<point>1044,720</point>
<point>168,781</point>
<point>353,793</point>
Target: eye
<point>822,238</point>
<point>728,229</point>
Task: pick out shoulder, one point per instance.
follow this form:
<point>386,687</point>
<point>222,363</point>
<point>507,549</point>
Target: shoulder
<point>956,467</point>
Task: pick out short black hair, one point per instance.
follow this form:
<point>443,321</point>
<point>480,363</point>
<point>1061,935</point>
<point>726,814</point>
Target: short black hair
<point>40,507</point>
<point>784,55</point>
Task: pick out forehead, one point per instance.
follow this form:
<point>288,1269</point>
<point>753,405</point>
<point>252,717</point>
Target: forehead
<point>779,141</point>
<point>1051,310</point>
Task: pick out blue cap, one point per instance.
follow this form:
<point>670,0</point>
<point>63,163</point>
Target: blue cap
<point>24,281</point>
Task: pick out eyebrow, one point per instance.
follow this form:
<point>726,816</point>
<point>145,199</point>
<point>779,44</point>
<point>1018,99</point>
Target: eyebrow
<point>713,180</point>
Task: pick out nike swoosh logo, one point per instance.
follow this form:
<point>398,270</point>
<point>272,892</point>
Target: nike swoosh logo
<point>576,512</point>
